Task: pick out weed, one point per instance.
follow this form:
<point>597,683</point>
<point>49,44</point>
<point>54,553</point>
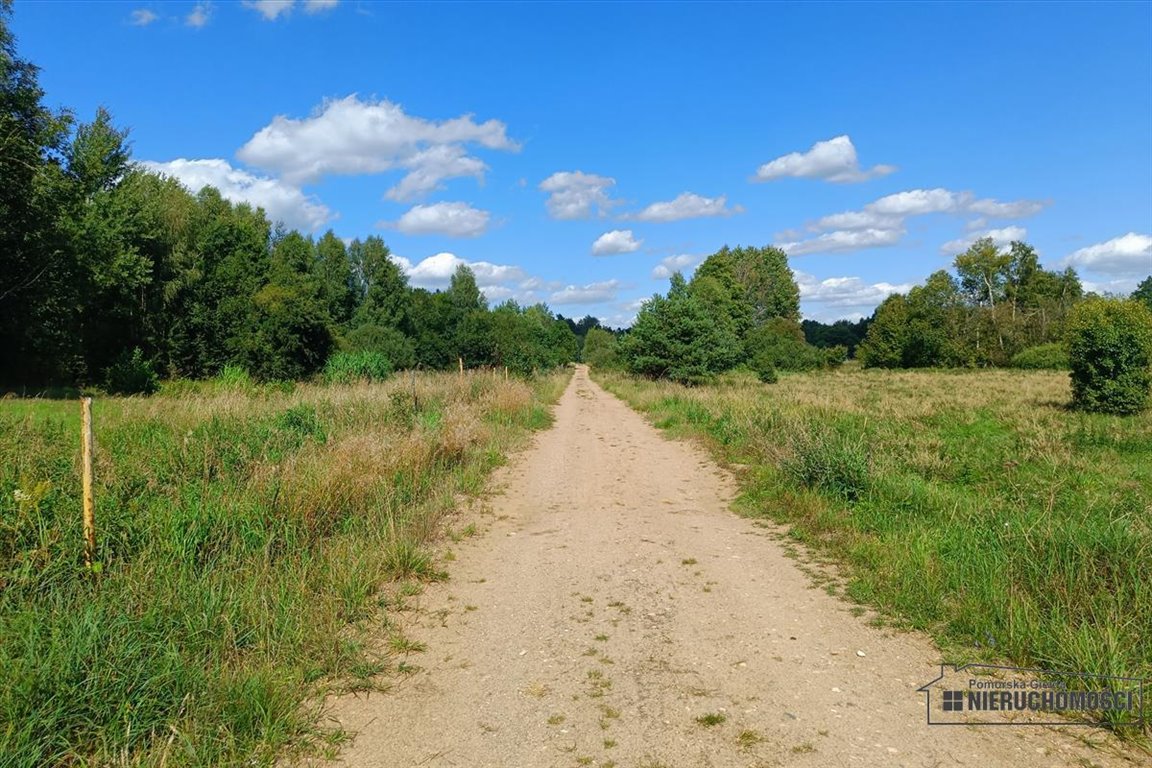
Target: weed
<point>711,719</point>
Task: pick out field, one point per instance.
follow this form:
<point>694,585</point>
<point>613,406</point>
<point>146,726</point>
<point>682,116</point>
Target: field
<point>245,537</point>
<point>972,505</point>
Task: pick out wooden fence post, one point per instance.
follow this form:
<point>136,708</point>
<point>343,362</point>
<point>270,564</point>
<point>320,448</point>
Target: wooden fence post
<point>461,361</point>
<point>86,480</point>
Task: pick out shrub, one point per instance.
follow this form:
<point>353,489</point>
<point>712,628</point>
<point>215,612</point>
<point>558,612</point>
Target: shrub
<point>346,367</point>
<point>762,366</point>
<point>600,349</point>
<point>781,342</point>
<point>834,357</point>
<point>1110,352</point>
<point>131,374</point>
<point>1049,357</point>
<point>824,459</point>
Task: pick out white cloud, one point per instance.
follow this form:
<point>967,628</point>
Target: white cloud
<point>452,219</point>
<point>199,15</point>
<point>1129,255</point>
<point>270,9</point>
<point>436,271</point>
<point>833,160</point>
<point>883,221</point>
<point>433,165</point>
<point>843,240</point>
<point>843,297</point>
<point>574,194</point>
<point>1001,237</point>
<point>1015,210</point>
<point>686,206</point>
<point>616,241</point>
<point>281,201</point>
<point>918,202</point>
<point>353,137</point>
<point>857,220</point>
<point>142,17</point>
<point>592,293</point>
<point>669,266</point>
<point>274,9</point>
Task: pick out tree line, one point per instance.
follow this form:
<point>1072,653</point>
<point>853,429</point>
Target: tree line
<point>106,266</point>
<point>741,308</point>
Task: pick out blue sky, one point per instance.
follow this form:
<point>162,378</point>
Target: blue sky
<point>575,154</point>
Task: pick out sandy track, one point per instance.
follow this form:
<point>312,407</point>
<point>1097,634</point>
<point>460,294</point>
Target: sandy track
<point>578,631</point>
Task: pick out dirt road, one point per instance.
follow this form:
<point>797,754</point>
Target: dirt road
<point>614,612</point>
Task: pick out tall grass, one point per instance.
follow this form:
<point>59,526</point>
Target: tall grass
<point>244,535</point>
<point>972,505</point>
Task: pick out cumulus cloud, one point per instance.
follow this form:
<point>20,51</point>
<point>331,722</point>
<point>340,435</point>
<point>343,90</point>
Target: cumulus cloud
<point>842,297</point>
<point>616,241</point>
<point>833,160</point>
<point>673,264</point>
<point>452,219</point>
<point>281,201</point>
<point>575,194</point>
<point>199,15</point>
<point>841,241</point>
<point>353,137</point>
<point>883,221</point>
<point>319,6</point>
<point>432,166</point>
<point>1001,237</point>
<point>142,17</point>
<point>1129,255</point>
<point>436,272</point>
<point>592,293</point>
<point>686,206</point>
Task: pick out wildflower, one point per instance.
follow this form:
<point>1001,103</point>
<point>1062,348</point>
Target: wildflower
<point>21,496</point>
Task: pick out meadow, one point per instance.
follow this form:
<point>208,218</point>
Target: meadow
<point>251,540</point>
<point>973,505</point>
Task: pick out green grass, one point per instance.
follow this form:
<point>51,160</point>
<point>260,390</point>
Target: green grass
<point>972,505</point>
<point>244,536</point>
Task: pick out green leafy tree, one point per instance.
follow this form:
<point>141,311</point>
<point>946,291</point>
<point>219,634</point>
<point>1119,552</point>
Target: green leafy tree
<point>37,269</point>
<point>469,321</point>
<point>760,282</point>
<point>1143,292</point>
<point>383,285</point>
<point>887,337</point>
<point>779,345</point>
<point>676,337</point>
<point>600,349</point>
<point>933,336</point>
<point>337,280</point>
<point>1110,351</point>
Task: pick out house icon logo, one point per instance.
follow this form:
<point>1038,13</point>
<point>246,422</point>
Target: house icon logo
<point>986,694</point>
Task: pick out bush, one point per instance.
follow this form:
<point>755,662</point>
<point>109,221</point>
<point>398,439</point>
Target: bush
<point>131,374</point>
<point>1110,352</point>
<point>826,460</point>
<point>761,365</point>
<point>346,367</point>
<point>1042,357</point>
<point>834,357</point>
<point>781,342</point>
<point>600,349</point>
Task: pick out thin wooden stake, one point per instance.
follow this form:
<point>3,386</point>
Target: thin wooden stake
<point>86,479</point>
<point>461,361</point>
<point>505,373</point>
